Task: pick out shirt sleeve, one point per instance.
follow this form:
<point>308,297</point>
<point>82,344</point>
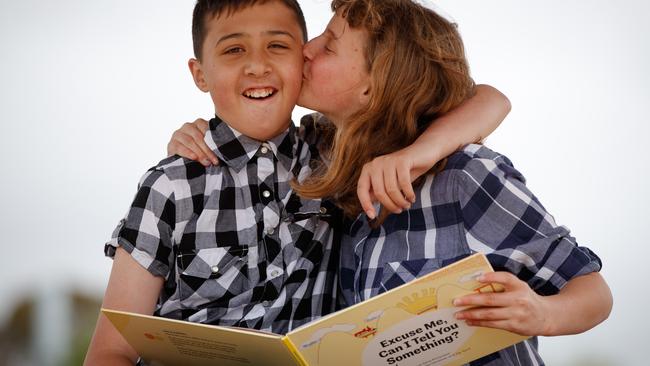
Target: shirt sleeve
<point>146,230</point>
<point>504,220</point>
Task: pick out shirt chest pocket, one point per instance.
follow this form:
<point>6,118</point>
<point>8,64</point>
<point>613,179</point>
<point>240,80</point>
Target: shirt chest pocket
<point>212,275</point>
<point>398,273</point>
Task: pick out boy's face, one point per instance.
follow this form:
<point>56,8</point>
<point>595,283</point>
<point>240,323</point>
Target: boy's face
<point>251,64</point>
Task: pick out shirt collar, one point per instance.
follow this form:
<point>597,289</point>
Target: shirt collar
<point>236,150</point>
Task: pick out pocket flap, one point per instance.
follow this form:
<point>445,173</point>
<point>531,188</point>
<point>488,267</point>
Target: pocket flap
<point>211,262</point>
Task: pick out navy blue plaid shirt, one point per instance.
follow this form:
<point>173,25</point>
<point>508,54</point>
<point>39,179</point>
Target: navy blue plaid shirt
<point>477,203</point>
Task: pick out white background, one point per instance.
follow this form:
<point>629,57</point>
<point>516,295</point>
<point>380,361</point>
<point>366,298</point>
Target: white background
<point>90,92</point>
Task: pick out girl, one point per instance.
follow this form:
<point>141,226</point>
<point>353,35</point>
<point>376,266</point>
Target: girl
<point>475,202</point>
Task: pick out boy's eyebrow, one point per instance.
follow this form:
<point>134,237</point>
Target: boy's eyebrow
<point>240,34</point>
<point>279,33</point>
<point>229,36</point>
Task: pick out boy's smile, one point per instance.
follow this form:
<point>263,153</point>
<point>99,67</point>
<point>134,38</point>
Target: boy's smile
<point>251,64</point>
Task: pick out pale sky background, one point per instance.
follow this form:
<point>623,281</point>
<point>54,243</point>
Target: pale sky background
<point>90,92</point>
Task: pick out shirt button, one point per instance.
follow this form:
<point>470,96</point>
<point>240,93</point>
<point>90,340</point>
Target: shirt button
<point>323,210</point>
<point>264,149</point>
<point>266,194</point>
<point>266,303</point>
<point>270,231</point>
<point>275,273</point>
<point>214,269</point>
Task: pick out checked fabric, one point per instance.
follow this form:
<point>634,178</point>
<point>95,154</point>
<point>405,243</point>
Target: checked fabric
<point>478,203</point>
<point>233,242</point>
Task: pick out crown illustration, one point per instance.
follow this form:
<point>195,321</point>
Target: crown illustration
<point>420,302</point>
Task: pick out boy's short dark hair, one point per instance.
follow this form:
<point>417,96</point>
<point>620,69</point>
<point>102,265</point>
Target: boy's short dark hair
<point>212,8</point>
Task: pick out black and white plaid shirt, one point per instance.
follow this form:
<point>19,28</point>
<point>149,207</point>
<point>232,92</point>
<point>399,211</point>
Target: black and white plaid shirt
<point>233,242</point>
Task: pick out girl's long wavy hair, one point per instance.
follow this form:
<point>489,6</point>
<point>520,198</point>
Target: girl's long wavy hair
<point>418,70</point>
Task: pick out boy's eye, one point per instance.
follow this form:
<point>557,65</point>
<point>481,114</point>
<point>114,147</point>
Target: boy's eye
<point>234,50</point>
<point>278,46</point>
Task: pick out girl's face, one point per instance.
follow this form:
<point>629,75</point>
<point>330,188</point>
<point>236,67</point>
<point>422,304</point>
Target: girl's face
<point>335,77</point>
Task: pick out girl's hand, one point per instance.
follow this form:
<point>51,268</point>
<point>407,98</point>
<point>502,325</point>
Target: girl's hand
<point>518,309</point>
<point>388,178</point>
<point>188,142</point>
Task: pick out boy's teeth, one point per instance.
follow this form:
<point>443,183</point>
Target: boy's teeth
<point>258,93</point>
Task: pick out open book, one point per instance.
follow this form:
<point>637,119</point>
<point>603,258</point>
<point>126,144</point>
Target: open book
<point>412,324</point>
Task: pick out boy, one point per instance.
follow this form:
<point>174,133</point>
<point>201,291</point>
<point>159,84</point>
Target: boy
<point>229,244</point>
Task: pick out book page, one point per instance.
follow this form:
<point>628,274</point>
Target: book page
<point>163,341</point>
<point>413,324</point>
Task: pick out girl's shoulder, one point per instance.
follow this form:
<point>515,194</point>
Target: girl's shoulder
<point>477,162</point>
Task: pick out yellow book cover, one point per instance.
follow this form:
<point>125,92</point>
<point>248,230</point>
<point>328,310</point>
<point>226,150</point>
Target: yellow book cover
<point>410,325</point>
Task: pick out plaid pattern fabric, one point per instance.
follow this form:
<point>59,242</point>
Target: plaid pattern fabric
<point>478,203</point>
<point>233,242</point>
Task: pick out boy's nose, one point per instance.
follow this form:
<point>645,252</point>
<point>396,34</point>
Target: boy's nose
<point>257,65</point>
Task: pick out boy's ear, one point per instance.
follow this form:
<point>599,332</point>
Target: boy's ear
<point>197,74</point>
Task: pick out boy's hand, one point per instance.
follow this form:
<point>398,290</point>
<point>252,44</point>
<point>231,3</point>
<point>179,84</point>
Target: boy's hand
<point>188,142</point>
<point>518,309</point>
<point>388,178</point>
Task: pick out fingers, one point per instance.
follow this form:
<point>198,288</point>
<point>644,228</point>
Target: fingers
<point>175,148</point>
<point>184,145</point>
<point>202,125</point>
<point>197,132</point>
<point>389,181</point>
<point>363,192</point>
<point>188,142</point>
<point>507,279</point>
<point>497,324</point>
<point>485,299</point>
<point>485,313</point>
<point>379,190</point>
<point>393,190</point>
<point>404,180</point>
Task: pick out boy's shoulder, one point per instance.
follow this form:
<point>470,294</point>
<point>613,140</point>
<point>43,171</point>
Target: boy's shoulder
<point>178,168</point>
<point>174,178</point>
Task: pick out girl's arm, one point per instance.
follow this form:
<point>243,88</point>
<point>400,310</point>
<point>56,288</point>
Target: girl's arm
<point>388,178</point>
<point>584,302</point>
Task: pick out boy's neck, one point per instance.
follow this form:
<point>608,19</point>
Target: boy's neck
<point>261,137</point>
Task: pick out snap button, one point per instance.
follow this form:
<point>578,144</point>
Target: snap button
<point>266,194</point>
<point>275,273</point>
<point>214,269</point>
